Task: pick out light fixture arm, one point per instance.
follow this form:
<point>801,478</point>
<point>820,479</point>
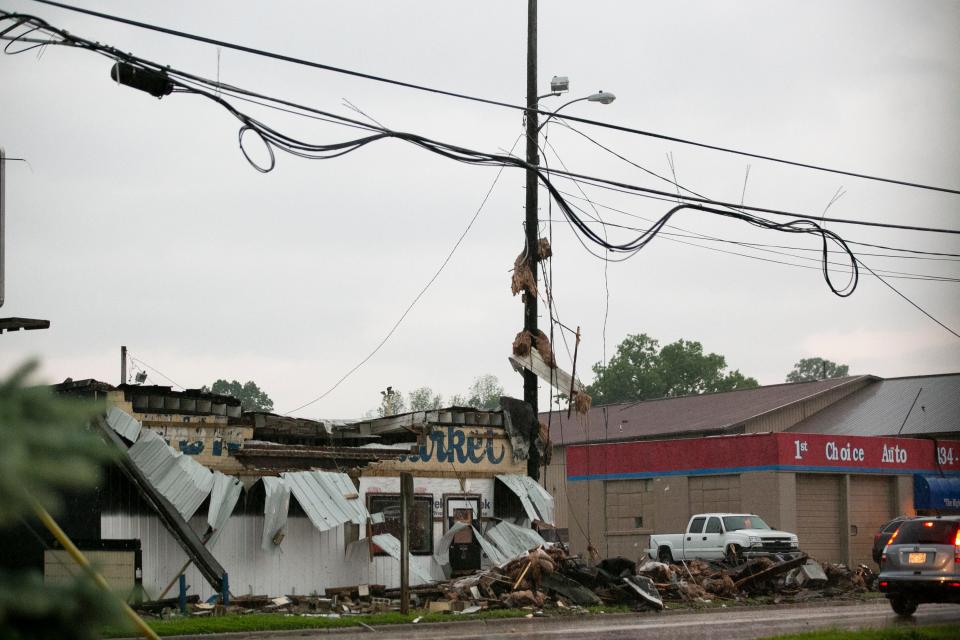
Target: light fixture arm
<point>557,110</point>
<point>603,97</point>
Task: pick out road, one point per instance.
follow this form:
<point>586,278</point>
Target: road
<point>733,623</point>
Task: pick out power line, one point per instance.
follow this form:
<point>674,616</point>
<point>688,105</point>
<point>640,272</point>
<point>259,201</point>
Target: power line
<point>631,189</point>
<point>417,297</point>
<point>409,85</point>
<point>758,246</point>
<point>954,257</point>
<point>912,303</point>
<point>673,238</point>
<point>157,371</point>
<point>271,137</point>
<point>162,80</point>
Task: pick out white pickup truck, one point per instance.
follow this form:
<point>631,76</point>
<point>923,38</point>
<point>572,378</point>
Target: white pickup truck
<point>713,536</point>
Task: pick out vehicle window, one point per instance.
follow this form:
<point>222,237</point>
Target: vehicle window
<point>927,532</point>
<point>891,527</point>
<point>735,523</point>
<point>713,526</point>
<point>697,525</point>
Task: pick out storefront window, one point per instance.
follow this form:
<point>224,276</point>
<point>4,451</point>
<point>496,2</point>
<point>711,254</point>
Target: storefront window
<point>421,521</point>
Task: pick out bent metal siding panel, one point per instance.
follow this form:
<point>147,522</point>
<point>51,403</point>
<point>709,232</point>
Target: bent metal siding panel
<point>311,560</point>
<point>123,423</point>
<point>275,510</point>
<point>182,480</point>
<point>330,499</point>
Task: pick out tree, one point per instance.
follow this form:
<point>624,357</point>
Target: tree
<point>641,370</point>
<point>810,369</point>
<point>424,399</point>
<point>47,449</point>
<point>251,397</point>
<point>391,403</point>
<point>485,392</point>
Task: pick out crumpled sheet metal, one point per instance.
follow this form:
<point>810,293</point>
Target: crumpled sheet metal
<point>537,503</point>
<point>442,555</point>
<point>223,499</point>
<point>359,551</point>
<point>391,546</point>
<point>123,423</point>
<point>179,478</point>
<point>275,510</point>
<point>328,498</point>
<point>512,541</point>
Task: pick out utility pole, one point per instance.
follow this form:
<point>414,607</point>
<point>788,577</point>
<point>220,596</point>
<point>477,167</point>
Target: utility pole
<point>123,365</point>
<point>532,213</point>
<point>406,507</point>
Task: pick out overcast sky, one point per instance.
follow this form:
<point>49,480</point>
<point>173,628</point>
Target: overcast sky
<point>139,222</point>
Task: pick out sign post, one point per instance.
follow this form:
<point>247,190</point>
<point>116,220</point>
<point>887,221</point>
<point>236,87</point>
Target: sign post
<point>406,505</point>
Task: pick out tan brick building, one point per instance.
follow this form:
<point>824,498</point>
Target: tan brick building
<point>821,459</point>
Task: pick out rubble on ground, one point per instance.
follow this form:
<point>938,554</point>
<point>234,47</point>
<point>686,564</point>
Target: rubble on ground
<point>547,577</point>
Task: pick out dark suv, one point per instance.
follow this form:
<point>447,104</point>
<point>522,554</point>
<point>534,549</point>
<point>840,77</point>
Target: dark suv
<point>921,563</point>
<point>881,537</point>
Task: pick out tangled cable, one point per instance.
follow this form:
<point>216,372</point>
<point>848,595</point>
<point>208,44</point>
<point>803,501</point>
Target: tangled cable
<point>159,80</point>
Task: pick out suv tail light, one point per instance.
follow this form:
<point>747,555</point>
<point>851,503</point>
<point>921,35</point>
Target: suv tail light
<point>956,547</point>
<point>883,556</point>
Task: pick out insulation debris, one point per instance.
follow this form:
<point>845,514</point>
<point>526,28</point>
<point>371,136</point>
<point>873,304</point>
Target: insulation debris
<point>542,345</point>
<point>524,340</point>
<point>544,250</point>
<point>546,454</point>
<point>522,344</point>
<point>523,279</point>
<point>582,402</point>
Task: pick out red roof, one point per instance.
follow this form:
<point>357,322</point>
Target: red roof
<point>686,416</point>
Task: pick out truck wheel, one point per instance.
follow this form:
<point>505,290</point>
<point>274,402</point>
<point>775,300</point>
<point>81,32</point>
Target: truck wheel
<point>734,554</point>
<point>664,555</point>
<point>903,606</point>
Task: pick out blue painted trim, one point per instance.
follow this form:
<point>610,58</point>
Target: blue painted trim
<point>769,467</point>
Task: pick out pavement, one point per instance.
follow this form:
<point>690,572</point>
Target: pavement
<point>731,623</point>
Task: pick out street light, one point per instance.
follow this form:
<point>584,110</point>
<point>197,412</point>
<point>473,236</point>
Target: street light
<point>603,97</point>
<point>558,85</point>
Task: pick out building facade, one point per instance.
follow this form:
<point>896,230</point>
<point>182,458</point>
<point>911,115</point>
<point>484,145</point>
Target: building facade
<point>820,459</point>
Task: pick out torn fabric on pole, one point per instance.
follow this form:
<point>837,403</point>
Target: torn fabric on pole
<point>537,503</point>
<point>329,499</point>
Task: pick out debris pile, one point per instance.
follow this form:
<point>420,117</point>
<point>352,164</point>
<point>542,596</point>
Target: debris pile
<point>548,577</point>
<point>783,577</point>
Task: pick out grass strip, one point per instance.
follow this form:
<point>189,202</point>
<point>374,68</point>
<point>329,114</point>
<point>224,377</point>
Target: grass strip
<point>279,621</point>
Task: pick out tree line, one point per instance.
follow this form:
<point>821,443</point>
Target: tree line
<point>640,369</point>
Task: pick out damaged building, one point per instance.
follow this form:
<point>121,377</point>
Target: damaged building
<point>257,503</point>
